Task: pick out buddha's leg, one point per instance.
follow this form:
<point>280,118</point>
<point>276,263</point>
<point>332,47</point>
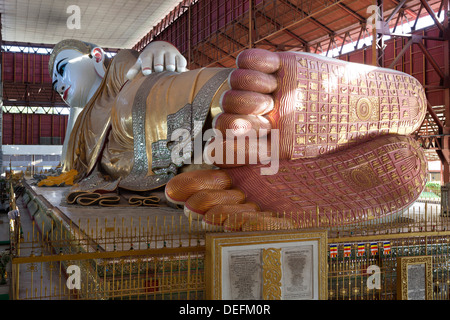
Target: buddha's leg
<point>318,106</point>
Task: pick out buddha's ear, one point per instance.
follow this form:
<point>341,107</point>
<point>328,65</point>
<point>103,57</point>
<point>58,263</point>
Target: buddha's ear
<point>99,56</point>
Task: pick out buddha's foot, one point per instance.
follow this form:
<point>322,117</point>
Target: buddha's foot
<point>371,180</point>
<point>317,105</point>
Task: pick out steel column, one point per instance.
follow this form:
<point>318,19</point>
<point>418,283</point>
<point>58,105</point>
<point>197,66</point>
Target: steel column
<point>446,131</point>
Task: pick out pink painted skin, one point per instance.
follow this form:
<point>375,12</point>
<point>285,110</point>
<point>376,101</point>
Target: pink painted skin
<point>371,177</point>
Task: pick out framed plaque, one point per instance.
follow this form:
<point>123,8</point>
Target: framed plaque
<point>415,278</point>
<point>272,265</point>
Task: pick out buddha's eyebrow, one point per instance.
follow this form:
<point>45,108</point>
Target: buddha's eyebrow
<point>57,65</point>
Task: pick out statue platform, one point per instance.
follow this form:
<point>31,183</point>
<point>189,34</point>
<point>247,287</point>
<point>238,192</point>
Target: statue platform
<point>125,224</point>
<point>160,240</point>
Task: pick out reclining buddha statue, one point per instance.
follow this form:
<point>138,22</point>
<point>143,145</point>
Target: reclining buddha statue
<point>249,148</point>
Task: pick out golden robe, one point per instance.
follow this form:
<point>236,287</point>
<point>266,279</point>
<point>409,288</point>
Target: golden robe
<point>120,139</point>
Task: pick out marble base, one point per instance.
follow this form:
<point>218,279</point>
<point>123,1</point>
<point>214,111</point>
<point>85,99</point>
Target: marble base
<point>123,227</point>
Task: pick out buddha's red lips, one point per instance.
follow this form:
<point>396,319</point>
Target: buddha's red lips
<point>66,93</point>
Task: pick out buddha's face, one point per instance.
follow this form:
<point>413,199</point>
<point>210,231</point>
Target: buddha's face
<point>75,77</point>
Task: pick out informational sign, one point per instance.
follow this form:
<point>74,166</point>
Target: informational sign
<point>415,278</point>
<point>265,266</point>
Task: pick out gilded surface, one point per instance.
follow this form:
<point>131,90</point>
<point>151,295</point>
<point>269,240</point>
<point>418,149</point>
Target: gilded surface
<point>337,103</point>
<point>272,274</point>
<point>126,124</point>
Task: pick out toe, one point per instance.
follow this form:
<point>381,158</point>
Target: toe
<point>258,59</point>
<point>235,221</point>
<point>243,79</point>
<point>184,185</point>
<point>216,216</point>
<point>256,221</point>
<point>199,203</point>
<point>246,102</point>
<point>230,153</point>
<point>267,223</point>
<point>240,125</point>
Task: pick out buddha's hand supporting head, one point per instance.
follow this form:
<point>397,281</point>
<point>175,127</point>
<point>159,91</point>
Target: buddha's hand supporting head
<point>77,69</point>
<point>158,56</point>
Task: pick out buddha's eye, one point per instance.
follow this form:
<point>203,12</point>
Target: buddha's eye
<point>62,68</point>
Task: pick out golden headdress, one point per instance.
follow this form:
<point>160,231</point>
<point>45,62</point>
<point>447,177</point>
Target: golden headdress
<point>78,45</point>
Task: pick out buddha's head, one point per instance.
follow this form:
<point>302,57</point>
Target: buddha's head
<point>77,69</point>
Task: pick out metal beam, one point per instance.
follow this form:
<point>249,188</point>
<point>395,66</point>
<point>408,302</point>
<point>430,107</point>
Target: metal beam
<point>431,60</point>
<point>400,55</point>
<point>434,116</point>
<point>276,24</point>
<point>309,17</point>
<point>446,48</point>
<point>430,11</point>
<point>356,15</point>
<point>393,13</point>
<point>377,36</point>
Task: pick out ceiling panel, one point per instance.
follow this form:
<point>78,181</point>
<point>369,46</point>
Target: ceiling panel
<point>107,23</point>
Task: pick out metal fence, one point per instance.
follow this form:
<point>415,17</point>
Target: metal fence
<point>165,259</point>
<point>352,273</point>
<point>121,262</point>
